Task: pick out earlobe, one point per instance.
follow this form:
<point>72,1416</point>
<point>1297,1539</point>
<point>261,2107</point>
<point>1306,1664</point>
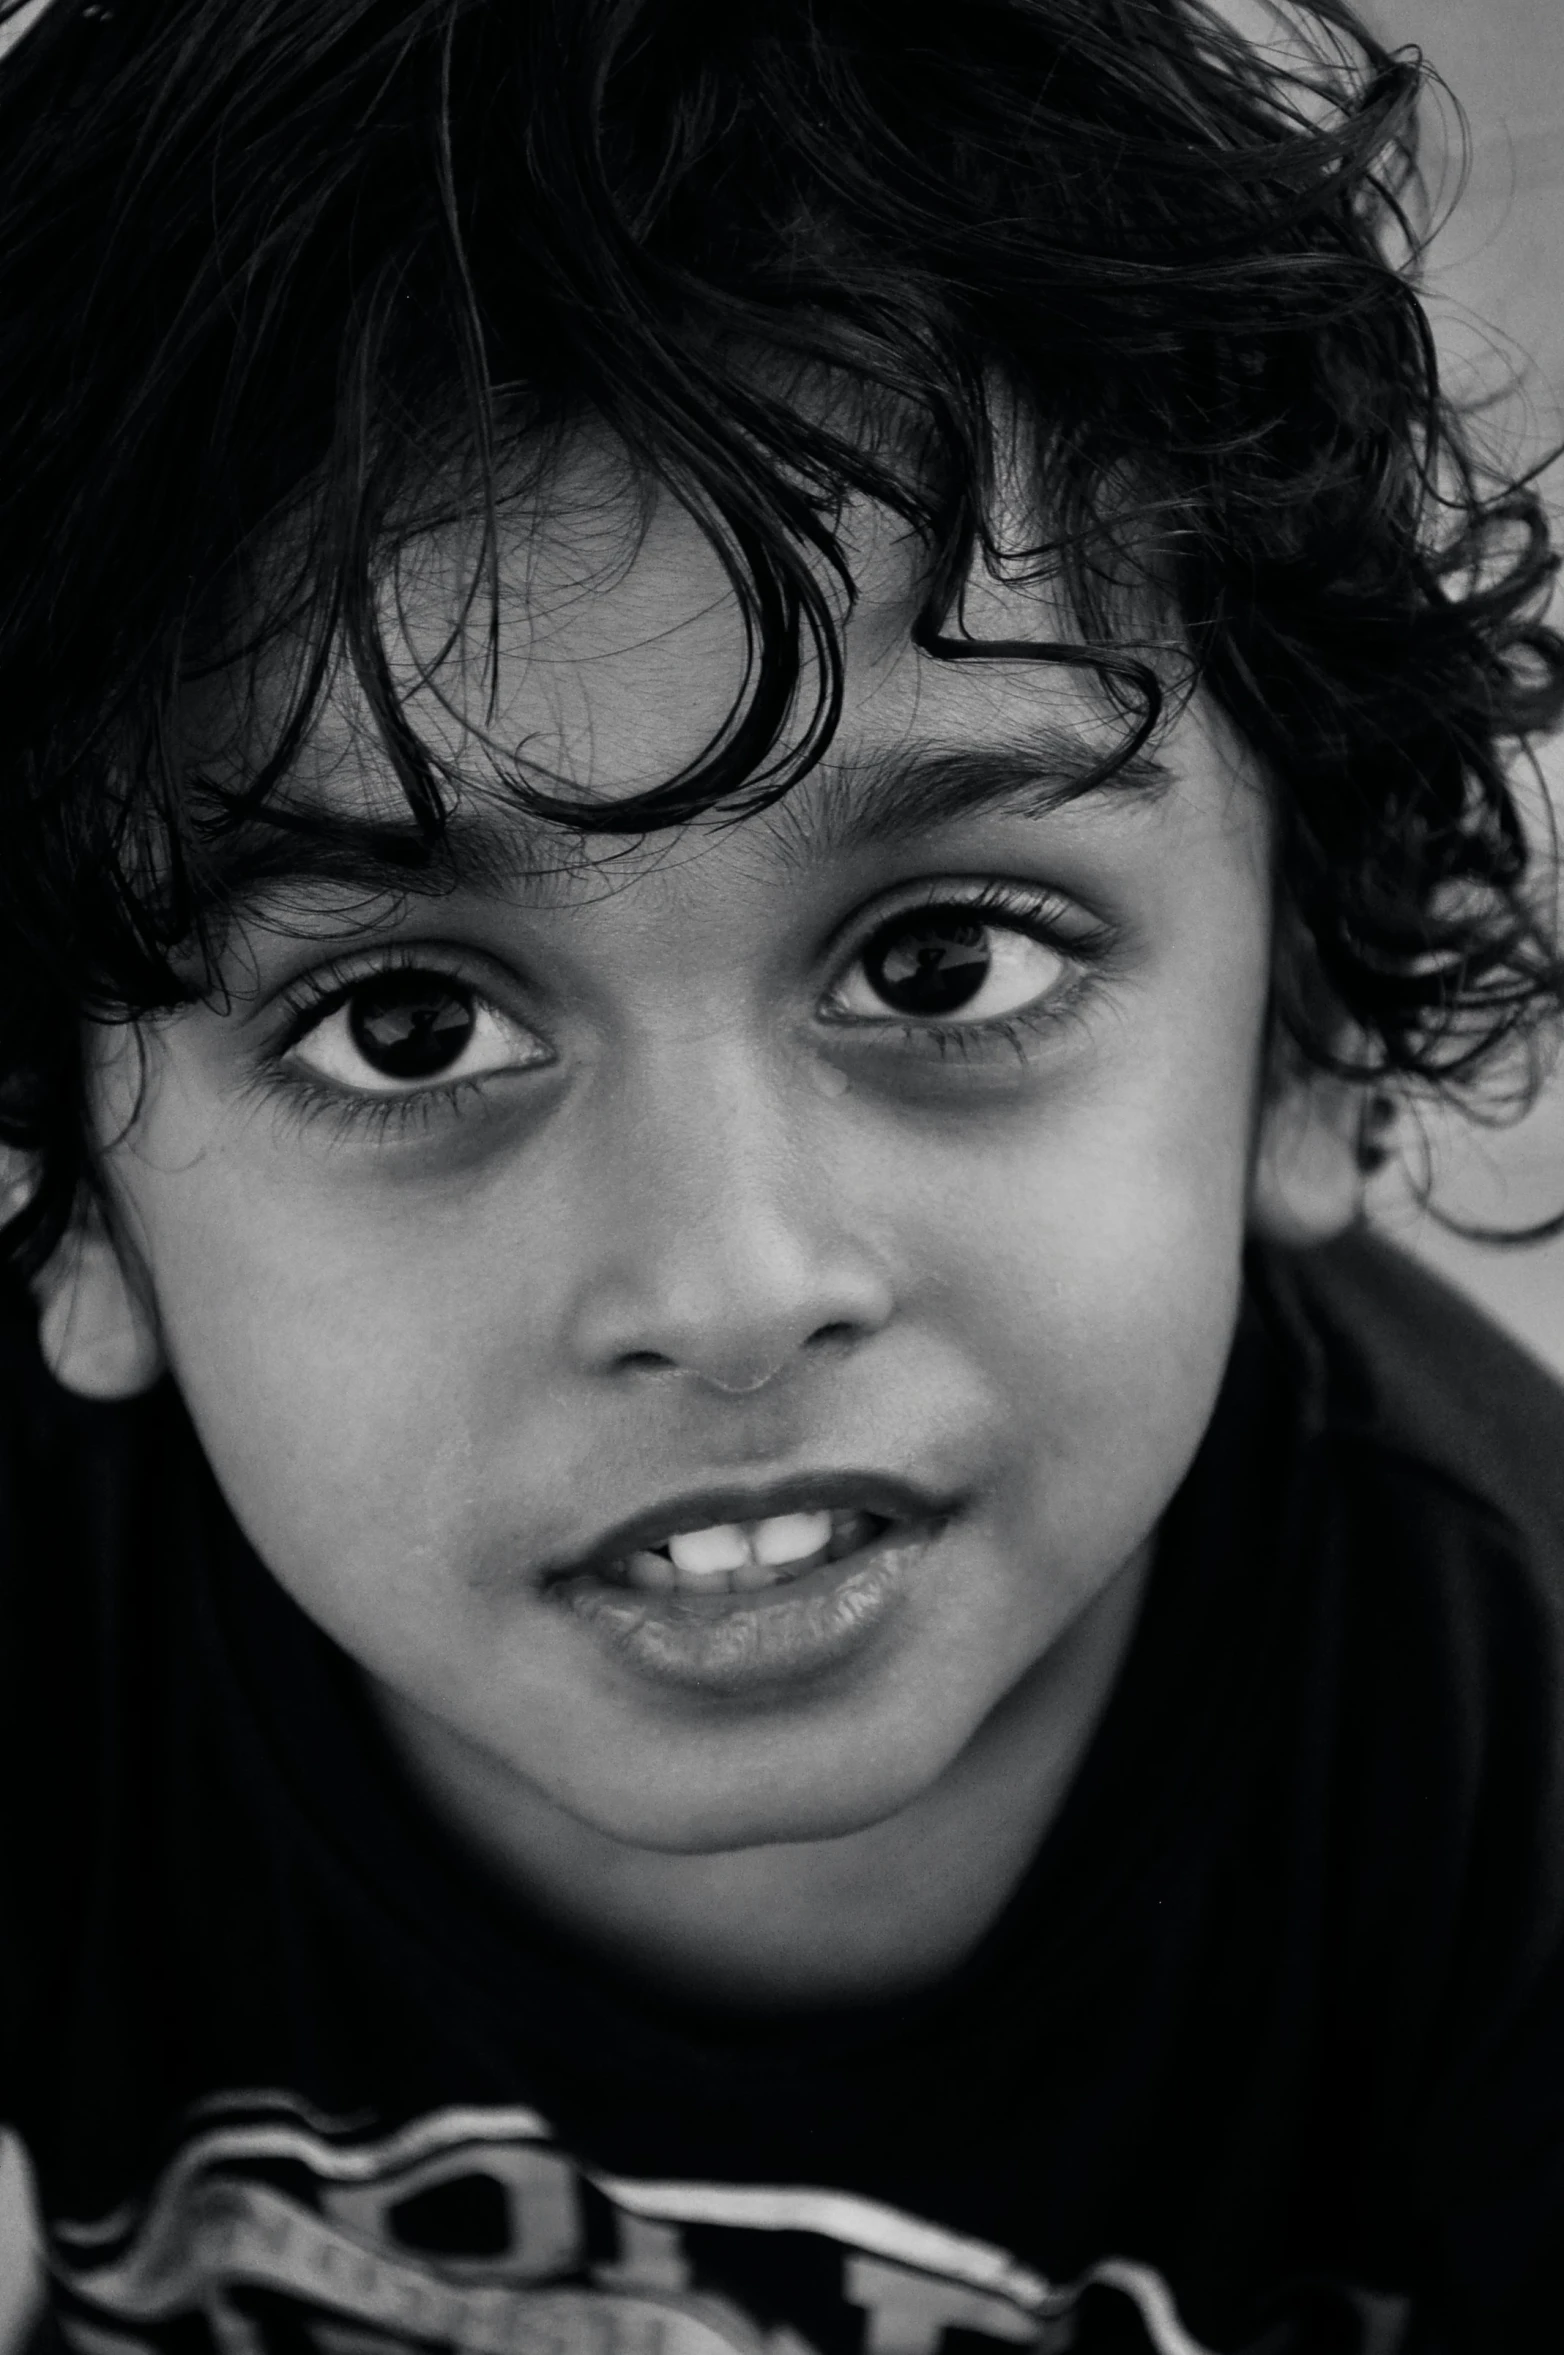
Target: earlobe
<point>97,1333</point>
<point>1309,1176</point>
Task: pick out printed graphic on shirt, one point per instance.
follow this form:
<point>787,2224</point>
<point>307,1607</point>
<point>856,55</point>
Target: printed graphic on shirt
<point>271,2233</point>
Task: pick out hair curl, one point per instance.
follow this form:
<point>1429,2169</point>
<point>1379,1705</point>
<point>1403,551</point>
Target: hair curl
<point>272,270</point>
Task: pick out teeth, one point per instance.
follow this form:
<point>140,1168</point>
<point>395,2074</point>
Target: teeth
<point>789,1537</point>
<point>736,1557</point>
<point>753,1577</point>
<point>709,1553</point>
<point>651,1570</point>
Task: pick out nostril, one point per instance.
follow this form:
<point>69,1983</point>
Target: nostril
<point>644,1361</point>
<point>833,1335</point>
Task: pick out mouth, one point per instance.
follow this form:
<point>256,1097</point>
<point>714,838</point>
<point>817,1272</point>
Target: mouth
<point>732,1584</point>
<point>737,1542</point>
<point>744,1557</point>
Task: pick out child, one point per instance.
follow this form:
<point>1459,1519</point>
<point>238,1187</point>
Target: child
<point>729,732</point>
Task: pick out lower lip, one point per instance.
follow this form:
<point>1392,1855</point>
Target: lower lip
<point>737,1642</point>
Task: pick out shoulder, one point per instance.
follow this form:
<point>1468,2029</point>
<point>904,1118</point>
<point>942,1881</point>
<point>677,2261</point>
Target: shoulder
<point>98,1673</point>
<point>1425,1641</point>
<point>1410,1378</point>
<point>1429,1521</point>
<point>94,1499</point>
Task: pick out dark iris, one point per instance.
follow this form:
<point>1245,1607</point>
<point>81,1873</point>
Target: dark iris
<point>411,1025</point>
<point>934,962</point>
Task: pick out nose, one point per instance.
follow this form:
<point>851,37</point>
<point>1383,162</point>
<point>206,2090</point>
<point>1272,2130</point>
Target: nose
<point>719,1240</point>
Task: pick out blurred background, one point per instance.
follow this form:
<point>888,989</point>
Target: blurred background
<point>1496,290</point>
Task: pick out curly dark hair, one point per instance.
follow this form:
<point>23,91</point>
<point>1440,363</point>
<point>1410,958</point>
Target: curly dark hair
<point>282,279</point>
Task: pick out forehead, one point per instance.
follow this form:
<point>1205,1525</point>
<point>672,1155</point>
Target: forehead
<point>616,651</point>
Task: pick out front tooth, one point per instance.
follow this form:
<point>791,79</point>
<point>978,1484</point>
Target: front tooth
<point>709,1553</point>
<point>789,1537</point>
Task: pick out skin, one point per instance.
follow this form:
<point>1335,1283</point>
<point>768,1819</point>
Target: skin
<point>730,1229</point>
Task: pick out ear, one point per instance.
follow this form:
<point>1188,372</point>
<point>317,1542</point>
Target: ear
<point>1312,1160</point>
<point>95,1327</point>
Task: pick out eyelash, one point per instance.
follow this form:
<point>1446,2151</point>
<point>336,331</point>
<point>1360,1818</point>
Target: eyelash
<point>375,1118</point>
<point>309,1101</point>
<point>1037,913</point>
<point>372,1119</point>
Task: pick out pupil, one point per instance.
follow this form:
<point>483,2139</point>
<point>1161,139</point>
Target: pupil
<point>932,964</point>
<point>410,1025</point>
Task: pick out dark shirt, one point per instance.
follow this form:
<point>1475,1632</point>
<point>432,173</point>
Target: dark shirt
<point>1266,2052</point>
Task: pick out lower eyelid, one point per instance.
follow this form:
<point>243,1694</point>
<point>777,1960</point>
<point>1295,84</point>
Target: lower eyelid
<point>949,1037</point>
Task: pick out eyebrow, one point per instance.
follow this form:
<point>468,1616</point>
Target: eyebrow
<point>882,799</point>
<point>888,798</point>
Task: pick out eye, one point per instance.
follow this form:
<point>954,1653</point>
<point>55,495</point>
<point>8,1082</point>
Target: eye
<point>403,1030</point>
<point>929,964</point>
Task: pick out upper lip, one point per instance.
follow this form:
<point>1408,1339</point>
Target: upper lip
<point>805,1492</point>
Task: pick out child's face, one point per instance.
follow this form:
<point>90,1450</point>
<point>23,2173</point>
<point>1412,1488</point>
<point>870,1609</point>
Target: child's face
<point>873,1171</point>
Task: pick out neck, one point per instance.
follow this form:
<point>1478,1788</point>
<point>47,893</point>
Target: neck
<point>867,1914</point>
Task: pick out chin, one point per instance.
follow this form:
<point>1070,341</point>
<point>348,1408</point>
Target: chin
<point>688,1817</point>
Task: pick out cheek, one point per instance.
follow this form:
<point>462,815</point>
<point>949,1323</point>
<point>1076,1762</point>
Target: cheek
<point>1105,1284</point>
<point>1099,1259</point>
<point>332,1360</point>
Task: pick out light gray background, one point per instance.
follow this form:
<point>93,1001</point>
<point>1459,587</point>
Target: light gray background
<point>1497,291</point>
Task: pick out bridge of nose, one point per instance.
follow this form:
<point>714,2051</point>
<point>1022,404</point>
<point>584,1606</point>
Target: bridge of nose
<point>721,1243</point>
